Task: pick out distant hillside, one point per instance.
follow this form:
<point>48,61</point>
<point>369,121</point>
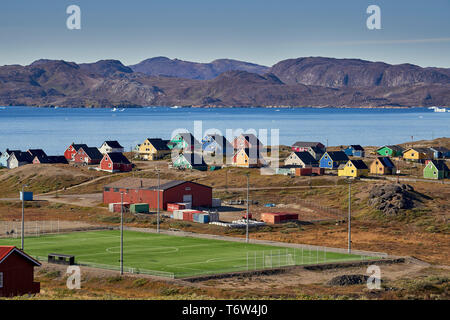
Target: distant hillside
<point>317,82</point>
<point>162,66</point>
<point>338,73</point>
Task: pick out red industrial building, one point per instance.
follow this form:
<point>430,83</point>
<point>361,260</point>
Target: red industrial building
<point>17,273</point>
<point>138,190</point>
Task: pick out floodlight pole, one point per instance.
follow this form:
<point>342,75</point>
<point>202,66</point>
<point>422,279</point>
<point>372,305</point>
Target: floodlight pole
<point>349,216</point>
<point>248,211</point>
<point>157,195</point>
<point>23,215</point>
<point>121,233</point>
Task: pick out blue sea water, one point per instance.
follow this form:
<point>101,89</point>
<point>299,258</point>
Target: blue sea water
<point>54,129</point>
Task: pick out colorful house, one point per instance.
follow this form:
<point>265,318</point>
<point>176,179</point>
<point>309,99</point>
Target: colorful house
<point>302,159</point>
<point>333,159</point>
<point>354,150</point>
<point>247,141</point>
<point>17,273</point>
<point>183,141</point>
<point>305,145</point>
<point>18,159</point>
<point>382,166</point>
<point>391,151</point>
<point>418,154</point>
<point>248,158</point>
<point>110,146</point>
<point>4,157</point>
<point>115,162</point>
<point>72,150</point>
<point>436,169</point>
<point>190,160</point>
<point>353,168</point>
<point>440,152</point>
<point>87,155</point>
<point>153,149</point>
<point>216,143</point>
<point>49,160</point>
<point>316,152</point>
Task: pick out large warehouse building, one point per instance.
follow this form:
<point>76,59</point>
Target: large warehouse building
<point>139,190</point>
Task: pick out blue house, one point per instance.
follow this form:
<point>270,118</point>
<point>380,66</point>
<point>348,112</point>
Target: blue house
<point>440,152</point>
<point>216,143</point>
<point>332,159</point>
<point>354,150</point>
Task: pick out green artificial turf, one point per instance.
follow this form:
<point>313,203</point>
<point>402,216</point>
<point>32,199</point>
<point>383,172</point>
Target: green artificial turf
<point>178,256</point>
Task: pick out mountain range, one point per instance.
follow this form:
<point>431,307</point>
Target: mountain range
<point>160,81</point>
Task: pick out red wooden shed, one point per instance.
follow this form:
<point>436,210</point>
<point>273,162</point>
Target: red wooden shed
<point>139,190</point>
<point>17,273</point>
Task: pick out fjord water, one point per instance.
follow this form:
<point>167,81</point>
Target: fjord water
<point>54,129</point>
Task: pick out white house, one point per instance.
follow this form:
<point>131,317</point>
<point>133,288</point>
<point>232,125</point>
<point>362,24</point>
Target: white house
<point>110,147</point>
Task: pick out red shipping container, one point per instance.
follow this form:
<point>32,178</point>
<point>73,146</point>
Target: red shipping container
<point>175,206</point>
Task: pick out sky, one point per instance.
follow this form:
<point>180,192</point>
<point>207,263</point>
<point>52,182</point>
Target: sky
<point>259,31</point>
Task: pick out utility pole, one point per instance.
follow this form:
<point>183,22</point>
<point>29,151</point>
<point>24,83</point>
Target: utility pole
<point>248,212</point>
<point>349,216</point>
<point>23,215</point>
<point>157,201</point>
<point>121,233</point>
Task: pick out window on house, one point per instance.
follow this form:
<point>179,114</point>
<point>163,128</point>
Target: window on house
<point>106,189</point>
<point>1,279</point>
<point>329,163</point>
<point>116,189</point>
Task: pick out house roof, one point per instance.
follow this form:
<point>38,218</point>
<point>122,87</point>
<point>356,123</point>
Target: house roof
<point>306,144</point>
<point>188,138</point>
<point>221,140</point>
<point>316,149</point>
<point>145,183</point>
<point>193,158</point>
<point>159,143</point>
<point>51,159</point>
<point>306,157</point>
<point>251,138</point>
<point>37,152</point>
<point>392,147</point>
<point>92,153</point>
<point>118,157</point>
<point>5,251</point>
<point>421,150</point>
<point>386,162</point>
<point>337,155</point>
<point>357,147</point>
<point>112,144</point>
<point>359,164</point>
<point>440,165</point>
<point>77,146</point>
<point>22,156</point>
<point>8,152</point>
<point>440,149</point>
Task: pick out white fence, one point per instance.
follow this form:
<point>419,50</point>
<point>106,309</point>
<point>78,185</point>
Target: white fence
<point>13,229</point>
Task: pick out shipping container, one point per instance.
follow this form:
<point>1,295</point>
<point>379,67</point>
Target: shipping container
<point>204,218</point>
<point>186,205</point>
<point>216,202</point>
<point>139,208</point>
<point>175,206</point>
<point>213,216</point>
<point>278,217</point>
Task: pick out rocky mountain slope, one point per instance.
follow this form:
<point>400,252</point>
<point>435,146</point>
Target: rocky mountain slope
<point>316,82</point>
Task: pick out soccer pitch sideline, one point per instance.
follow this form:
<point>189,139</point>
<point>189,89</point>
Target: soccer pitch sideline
<point>172,256</point>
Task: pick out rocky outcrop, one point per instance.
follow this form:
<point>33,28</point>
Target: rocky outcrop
<point>392,198</point>
<point>347,280</point>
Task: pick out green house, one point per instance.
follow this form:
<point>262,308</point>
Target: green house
<point>190,160</point>
<point>391,151</point>
<point>183,141</point>
<point>435,169</point>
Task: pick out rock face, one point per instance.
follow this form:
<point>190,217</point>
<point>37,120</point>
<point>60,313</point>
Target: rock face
<point>391,198</point>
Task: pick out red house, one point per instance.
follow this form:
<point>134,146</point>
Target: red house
<point>115,162</point>
<point>87,155</point>
<point>72,150</point>
<point>16,273</point>
<point>137,190</point>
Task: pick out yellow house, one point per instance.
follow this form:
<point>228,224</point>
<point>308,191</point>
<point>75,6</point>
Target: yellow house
<point>248,158</point>
<point>418,154</point>
<point>353,168</point>
<point>153,149</point>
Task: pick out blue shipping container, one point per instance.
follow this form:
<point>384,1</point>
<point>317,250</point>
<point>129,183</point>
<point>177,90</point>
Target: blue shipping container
<point>26,196</point>
<point>204,218</point>
<point>196,217</point>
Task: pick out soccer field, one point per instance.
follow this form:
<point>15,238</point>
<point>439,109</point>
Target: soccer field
<point>171,256</point>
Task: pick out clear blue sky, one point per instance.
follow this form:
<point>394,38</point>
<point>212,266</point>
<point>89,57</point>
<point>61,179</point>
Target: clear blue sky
<point>260,31</point>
